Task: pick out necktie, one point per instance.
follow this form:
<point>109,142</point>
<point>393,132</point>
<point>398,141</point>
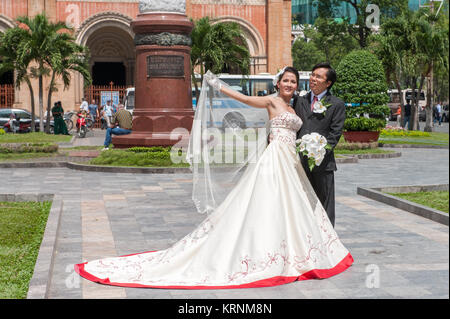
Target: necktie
<point>315,99</point>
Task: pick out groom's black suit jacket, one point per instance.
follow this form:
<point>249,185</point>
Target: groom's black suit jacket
<point>329,125</point>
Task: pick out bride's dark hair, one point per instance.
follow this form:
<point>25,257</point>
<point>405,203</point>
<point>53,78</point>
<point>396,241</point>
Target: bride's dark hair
<point>289,69</point>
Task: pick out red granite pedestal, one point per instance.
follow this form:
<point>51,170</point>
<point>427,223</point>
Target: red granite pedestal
<point>163,113</point>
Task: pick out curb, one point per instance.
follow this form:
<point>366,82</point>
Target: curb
<point>373,156</point>
<point>125,169</point>
<point>67,144</point>
<point>40,282</point>
<point>160,170</point>
<point>378,194</point>
<point>354,158</point>
<point>38,287</point>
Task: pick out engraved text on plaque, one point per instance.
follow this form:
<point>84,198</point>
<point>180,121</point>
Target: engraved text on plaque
<point>165,66</point>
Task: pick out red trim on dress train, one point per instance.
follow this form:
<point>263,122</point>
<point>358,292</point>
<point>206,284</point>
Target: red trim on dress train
<point>274,281</point>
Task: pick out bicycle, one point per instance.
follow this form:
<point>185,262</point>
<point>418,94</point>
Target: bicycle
<point>68,120</point>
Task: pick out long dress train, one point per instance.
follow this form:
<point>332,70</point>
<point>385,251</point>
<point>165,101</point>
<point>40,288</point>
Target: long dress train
<point>271,229</point>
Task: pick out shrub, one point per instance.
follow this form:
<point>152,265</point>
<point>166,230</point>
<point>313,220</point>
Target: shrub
<point>141,149</point>
<point>403,132</point>
<point>135,156</point>
<point>361,83</point>
<point>28,148</point>
<point>364,124</point>
<point>356,146</point>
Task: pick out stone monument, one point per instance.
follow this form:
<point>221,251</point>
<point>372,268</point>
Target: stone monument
<point>163,100</point>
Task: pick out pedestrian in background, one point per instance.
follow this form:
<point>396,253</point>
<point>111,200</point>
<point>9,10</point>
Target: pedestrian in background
<point>93,111</point>
<point>399,116</point>
<point>407,115</point>
<point>58,118</point>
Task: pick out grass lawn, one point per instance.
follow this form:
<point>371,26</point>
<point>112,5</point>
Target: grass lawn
<point>364,151</point>
<point>436,138</point>
<point>36,137</point>
<point>22,226</point>
<point>434,199</point>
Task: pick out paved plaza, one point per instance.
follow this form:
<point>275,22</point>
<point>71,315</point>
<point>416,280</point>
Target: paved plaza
<point>397,254</point>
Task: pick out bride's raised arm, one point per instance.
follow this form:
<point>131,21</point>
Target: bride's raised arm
<point>255,101</point>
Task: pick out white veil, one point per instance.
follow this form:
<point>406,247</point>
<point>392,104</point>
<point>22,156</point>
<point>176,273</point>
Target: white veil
<point>227,137</point>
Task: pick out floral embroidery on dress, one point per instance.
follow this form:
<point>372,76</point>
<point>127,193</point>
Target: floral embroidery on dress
<point>284,128</point>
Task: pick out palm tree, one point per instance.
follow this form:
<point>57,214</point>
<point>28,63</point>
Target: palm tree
<point>66,56</point>
<point>409,45</point>
<point>217,47</point>
<point>38,44</point>
<point>433,41</point>
<point>13,59</point>
<point>390,46</point>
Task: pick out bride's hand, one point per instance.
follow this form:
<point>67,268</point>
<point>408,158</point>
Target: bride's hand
<point>213,81</point>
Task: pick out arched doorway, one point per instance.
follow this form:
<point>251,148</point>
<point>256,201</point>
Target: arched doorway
<point>110,40</point>
<point>104,73</point>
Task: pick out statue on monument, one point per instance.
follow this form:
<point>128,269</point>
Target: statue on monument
<point>150,6</point>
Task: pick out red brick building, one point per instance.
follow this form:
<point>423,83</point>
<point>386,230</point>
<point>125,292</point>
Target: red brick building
<point>104,26</point>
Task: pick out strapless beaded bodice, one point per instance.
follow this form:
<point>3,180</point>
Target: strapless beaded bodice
<point>284,128</point>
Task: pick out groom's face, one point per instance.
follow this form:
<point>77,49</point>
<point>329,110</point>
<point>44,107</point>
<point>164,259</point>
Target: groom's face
<point>318,81</point>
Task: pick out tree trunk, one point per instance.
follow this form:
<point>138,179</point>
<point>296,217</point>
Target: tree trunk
<point>414,106</point>
<point>422,79</point>
<point>49,103</point>
<point>33,116</point>
<point>429,107</point>
<point>41,104</point>
<point>402,103</point>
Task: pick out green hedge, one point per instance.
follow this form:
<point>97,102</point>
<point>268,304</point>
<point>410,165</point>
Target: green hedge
<point>361,81</point>
<point>364,124</point>
<point>136,156</point>
<point>9,148</point>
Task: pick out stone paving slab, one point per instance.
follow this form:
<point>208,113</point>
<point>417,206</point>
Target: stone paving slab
<point>397,254</point>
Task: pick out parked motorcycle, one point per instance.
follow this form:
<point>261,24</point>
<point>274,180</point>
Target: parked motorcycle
<point>18,126</point>
<point>81,125</point>
<point>23,126</point>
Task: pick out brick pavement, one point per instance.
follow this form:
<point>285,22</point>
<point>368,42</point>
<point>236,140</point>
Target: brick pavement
<point>109,214</point>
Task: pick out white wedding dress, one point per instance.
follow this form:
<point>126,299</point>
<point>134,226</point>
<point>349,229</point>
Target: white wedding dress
<point>271,229</point>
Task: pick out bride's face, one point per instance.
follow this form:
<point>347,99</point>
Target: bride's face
<point>287,84</point>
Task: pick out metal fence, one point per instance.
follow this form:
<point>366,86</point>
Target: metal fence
<point>94,92</point>
<point>6,95</point>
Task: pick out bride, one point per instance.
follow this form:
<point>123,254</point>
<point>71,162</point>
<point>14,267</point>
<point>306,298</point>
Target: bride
<point>269,230</point>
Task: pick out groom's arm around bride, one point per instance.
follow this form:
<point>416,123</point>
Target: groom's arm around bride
<point>327,121</point>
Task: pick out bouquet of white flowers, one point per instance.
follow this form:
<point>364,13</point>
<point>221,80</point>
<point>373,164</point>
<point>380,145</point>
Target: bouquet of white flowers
<point>313,146</point>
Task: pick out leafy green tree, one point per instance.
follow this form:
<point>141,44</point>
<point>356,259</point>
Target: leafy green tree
<point>331,38</point>
<point>409,46</point>
<point>361,82</point>
<point>305,54</point>
<point>218,47</point>
<point>390,46</point>
<point>359,30</point>
<point>432,42</point>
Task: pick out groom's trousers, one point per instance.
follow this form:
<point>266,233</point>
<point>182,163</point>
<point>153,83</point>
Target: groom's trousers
<point>323,185</point>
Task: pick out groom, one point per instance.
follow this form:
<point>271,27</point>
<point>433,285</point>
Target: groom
<point>329,124</point>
